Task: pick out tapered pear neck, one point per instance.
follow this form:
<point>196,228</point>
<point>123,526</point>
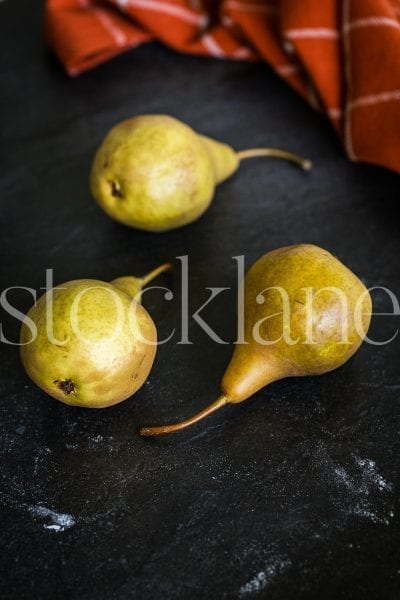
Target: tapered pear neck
<point>162,429</point>
<point>304,163</point>
<point>223,158</point>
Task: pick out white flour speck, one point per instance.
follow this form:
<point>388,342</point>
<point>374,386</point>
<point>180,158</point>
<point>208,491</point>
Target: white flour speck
<point>371,475</point>
<point>95,441</point>
<point>343,477</point>
<point>71,446</point>
<point>368,491</point>
<point>367,513</point>
<point>58,521</point>
<point>38,458</point>
<point>263,578</point>
<point>364,481</point>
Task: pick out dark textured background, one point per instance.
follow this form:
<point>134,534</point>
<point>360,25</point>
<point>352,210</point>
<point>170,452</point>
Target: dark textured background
<point>291,495</point>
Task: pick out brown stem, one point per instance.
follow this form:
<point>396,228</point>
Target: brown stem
<point>150,431</point>
<point>155,273</point>
<point>304,163</point>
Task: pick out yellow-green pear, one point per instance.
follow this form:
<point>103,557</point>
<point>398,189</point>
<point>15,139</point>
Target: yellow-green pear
<point>90,343</point>
<point>305,314</point>
<point>155,173</point>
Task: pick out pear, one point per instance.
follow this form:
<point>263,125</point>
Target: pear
<point>155,173</point>
<point>94,343</point>
<point>305,314</point>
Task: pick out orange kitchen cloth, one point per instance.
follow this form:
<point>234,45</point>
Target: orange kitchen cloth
<point>343,56</point>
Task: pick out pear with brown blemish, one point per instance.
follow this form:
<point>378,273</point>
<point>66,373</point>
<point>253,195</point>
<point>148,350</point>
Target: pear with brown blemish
<point>90,343</point>
<point>287,335</point>
<point>155,173</point>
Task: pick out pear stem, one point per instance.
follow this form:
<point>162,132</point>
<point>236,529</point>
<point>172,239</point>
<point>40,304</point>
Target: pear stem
<point>304,163</point>
<point>155,273</point>
<point>150,431</point>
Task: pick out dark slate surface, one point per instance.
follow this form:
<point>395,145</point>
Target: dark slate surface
<point>291,495</point>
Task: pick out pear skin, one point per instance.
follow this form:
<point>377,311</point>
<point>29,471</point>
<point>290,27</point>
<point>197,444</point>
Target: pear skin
<point>155,173</point>
<point>321,331</point>
<point>224,159</point>
<point>254,365</point>
<point>94,344</point>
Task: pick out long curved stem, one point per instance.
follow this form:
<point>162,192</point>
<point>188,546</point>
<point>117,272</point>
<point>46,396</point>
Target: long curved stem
<point>160,430</point>
<point>304,163</point>
<point>155,273</point>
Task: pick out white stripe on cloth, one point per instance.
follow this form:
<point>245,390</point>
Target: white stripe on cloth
<point>311,33</point>
<point>242,52</point>
<point>372,22</point>
<point>227,21</point>
<point>211,45</point>
<point>244,7</point>
<point>335,113</point>
<point>169,9</point>
<point>113,30</point>
<point>375,99</point>
<point>286,70</point>
<point>116,33</point>
<point>123,3</point>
